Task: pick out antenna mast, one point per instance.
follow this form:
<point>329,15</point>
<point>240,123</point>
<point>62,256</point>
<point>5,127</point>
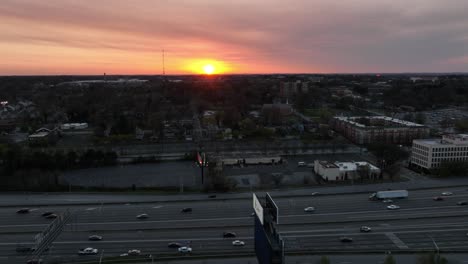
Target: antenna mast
<point>164,70</point>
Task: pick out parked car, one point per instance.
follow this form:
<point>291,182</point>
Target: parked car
<point>95,238</point>
<point>238,243</point>
<point>187,210</point>
<point>88,251</point>
<point>185,249</point>
<point>309,209</point>
<point>142,216</point>
<point>229,234</point>
<point>174,245</point>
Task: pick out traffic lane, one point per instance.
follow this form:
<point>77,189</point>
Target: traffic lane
<point>155,246</point>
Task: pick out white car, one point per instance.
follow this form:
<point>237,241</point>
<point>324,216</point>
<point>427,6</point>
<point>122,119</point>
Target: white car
<point>393,207</point>
<point>185,249</point>
<point>238,243</point>
<point>88,251</point>
<point>447,193</point>
<point>387,201</point>
<point>301,164</point>
<point>314,193</point>
<point>309,209</point>
<point>134,252</point>
<point>365,229</point>
<point>142,216</point>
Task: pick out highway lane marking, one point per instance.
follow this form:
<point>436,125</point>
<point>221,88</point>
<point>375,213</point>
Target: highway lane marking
<point>406,215</point>
<point>163,221</point>
<point>400,244</point>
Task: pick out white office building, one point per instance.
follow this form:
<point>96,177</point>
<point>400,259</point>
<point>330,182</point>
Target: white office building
<point>431,153</point>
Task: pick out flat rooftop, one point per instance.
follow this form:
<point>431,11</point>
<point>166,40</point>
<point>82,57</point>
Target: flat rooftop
<point>374,121</point>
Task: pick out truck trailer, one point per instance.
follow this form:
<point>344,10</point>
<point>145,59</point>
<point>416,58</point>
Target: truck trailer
<point>381,195</point>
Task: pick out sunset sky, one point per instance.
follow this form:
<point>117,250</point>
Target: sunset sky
<point>241,36</point>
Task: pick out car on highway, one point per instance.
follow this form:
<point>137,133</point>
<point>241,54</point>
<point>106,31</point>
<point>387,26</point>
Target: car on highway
<point>252,214</point>
<point>95,238</point>
<point>238,243</point>
<point>142,216</point>
<point>174,245</point>
<point>462,203</point>
<point>186,210</point>
<point>346,239</point>
<point>51,216</point>
<point>447,193</point>
<point>185,249</point>
<point>438,198</point>
<point>47,213</point>
<point>23,211</point>
<point>134,252</point>
<point>34,261</point>
<point>88,251</point>
<point>301,164</point>
<point>393,207</point>
<point>229,234</point>
<point>365,229</point>
<point>314,193</point>
<point>24,249</point>
<point>212,196</point>
<point>309,209</point>
<point>387,201</point>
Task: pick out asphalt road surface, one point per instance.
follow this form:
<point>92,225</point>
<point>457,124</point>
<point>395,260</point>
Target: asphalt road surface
<point>420,224</point>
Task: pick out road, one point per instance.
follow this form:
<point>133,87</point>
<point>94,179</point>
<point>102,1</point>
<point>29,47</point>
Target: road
<point>420,224</point>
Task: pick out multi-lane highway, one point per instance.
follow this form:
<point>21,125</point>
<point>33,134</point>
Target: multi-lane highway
<point>420,224</point>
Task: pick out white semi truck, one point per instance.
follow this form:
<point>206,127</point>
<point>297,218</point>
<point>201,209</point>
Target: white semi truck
<point>381,195</point>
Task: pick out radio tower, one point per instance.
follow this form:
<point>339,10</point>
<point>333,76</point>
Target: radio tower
<point>164,70</point>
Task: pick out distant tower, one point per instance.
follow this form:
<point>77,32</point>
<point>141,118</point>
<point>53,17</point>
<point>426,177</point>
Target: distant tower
<point>164,70</point>
<point>105,77</point>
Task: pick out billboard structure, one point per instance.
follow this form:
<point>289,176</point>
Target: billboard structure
<point>269,246</point>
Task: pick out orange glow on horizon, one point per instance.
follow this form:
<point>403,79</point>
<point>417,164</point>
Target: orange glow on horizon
<point>207,66</point>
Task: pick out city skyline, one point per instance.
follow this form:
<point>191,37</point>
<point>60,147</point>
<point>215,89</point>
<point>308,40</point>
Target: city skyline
<point>127,37</point>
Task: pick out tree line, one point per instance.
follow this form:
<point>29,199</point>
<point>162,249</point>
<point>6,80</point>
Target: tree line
<point>14,158</point>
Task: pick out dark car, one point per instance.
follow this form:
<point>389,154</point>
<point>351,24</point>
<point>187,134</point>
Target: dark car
<point>34,261</point>
<point>24,249</point>
<point>47,213</point>
<point>438,198</point>
<point>229,234</point>
<point>51,216</point>
<point>346,239</point>
<point>174,245</point>
<point>23,211</point>
<point>95,238</point>
<point>187,210</point>
<point>462,203</point>
<point>212,196</point>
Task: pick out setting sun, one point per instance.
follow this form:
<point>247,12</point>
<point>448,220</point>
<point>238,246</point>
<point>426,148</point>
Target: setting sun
<point>208,69</point>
